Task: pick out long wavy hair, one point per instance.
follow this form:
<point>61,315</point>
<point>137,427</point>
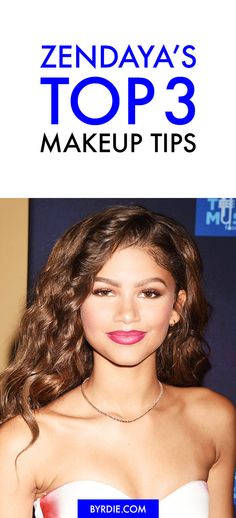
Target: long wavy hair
<point>52,355</point>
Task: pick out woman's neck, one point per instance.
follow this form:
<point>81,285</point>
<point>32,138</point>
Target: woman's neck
<point>123,390</point>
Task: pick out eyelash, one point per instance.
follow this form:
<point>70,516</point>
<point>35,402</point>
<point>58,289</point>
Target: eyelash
<point>102,292</point>
<point>149,293</point>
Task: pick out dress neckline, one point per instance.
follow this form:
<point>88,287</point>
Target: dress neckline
<point>104,484</point>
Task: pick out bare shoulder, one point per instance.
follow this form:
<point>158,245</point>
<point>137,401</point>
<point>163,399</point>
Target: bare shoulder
<point>15,435</point>
<point>203,405</point>
<point>69,405</point>
<point>17,461</point>
<point>205,398</point>
<point>220,414</point>
<point>19,447</point>
<point>209,418</point>
<point>218,407</point>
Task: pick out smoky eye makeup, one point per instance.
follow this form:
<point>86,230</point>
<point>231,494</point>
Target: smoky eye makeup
<point>145,288</point>
<point>150,293</point>
<point>102,292</point>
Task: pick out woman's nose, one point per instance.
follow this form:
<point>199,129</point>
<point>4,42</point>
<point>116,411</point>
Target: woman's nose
<point>127,311</point>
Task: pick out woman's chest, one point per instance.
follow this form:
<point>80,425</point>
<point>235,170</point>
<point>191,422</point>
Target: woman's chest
<point>143,461</point>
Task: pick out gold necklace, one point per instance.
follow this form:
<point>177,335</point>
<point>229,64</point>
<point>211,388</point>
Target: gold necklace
<point>121,419</point>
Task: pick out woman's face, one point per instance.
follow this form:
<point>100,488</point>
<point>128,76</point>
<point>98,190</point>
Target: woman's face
<point>133,301</point>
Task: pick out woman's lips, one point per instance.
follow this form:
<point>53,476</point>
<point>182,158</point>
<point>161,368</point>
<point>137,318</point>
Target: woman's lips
<point>126,337</point>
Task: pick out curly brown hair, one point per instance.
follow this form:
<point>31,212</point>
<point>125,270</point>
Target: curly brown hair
<point>52,355</point>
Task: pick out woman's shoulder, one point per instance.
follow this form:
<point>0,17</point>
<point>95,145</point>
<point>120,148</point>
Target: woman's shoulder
<point>21,440</point>
<point>219,411</point>
<point>69,405</point>
<point>206,405</point>
<point>201,395</point>
<point>17,461</point>
<point>211,401</point>
<point>14,434</point>
<point>45,420</point>
<point>27,456</point>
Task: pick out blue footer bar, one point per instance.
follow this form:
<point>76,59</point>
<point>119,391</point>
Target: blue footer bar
<point>97,508</point>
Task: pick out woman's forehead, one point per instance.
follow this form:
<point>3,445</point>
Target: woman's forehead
<point>134,263</point>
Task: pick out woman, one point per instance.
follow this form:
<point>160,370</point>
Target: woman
<point>101,400</point>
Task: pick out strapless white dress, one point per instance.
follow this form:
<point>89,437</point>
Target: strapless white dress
<point>188,501</point>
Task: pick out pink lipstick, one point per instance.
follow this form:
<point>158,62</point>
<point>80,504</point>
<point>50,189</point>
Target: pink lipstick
<point>126,337</point>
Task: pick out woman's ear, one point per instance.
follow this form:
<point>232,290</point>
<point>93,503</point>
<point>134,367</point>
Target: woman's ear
<point>178,306</point>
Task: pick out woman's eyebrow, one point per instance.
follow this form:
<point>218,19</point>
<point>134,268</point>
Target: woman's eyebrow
<point>151,279</point>
<point>140,283</point>
<point>107,281</point>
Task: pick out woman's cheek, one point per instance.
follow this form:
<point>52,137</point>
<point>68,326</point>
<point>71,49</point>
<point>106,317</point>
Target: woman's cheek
<point>94,316</point>
<point>87,315</point>
<point>158,316</point>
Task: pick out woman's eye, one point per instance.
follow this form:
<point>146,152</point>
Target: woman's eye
<point>150,294</point>
<point>103,292</point>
